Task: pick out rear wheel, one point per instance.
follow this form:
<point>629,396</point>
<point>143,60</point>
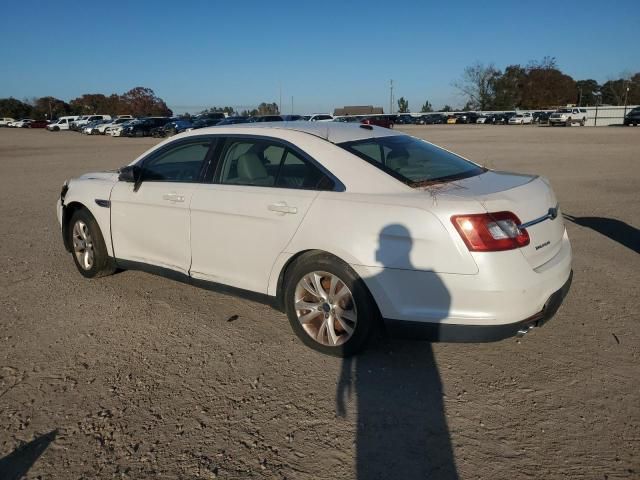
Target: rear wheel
<point>582,122</point>
<point>568,123</point>
<point>329,306</point>
<point>88,247</point>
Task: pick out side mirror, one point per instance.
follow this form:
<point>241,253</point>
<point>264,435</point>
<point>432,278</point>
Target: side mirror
<point>130,173</point>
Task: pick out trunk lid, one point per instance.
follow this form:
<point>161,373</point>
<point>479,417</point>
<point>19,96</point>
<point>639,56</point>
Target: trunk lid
<point>530,198</point>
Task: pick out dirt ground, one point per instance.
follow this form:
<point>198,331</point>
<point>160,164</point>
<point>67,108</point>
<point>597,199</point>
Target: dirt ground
<point>135,376</point>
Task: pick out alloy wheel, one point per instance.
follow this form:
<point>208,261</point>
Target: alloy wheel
<point>83,245</point>
<point>325,308</point>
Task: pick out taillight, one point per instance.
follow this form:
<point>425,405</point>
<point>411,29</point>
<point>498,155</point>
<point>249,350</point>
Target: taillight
<point>491,232</point>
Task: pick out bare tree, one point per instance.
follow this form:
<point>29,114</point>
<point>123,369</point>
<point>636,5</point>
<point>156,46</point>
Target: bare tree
<point>477,84</point>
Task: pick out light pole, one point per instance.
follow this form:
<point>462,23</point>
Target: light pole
<point>598,96</point>
<point>391,97</point>
<point>626,96</point>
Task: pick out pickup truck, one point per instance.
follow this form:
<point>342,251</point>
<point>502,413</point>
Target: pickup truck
<point>568,116</point>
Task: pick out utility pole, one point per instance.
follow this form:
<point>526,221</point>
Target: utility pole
<point>391,97</point>
<point>580,100</point>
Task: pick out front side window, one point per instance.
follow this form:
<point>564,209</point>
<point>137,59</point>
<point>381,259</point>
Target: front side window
<point>182,163</point>
<point>412,161</point>
<point>265,163</point>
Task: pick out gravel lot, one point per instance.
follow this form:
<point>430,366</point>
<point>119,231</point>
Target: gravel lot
<point>136,376</point>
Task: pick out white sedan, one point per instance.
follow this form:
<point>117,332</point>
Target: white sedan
<point>347,228</point>
<point>521,119</point>
<point>22,123</point>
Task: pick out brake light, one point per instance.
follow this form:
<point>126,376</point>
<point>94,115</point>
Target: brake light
<point>491,232</point>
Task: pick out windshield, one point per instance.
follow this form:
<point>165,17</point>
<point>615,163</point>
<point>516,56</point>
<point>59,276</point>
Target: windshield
<point>413,161</point>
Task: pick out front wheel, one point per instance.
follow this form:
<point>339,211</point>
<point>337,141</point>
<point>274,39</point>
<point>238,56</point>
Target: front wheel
<point>88,247</point>
<point>329,306</point>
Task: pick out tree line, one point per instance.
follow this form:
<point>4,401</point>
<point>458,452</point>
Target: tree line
<point>540,85</point>
<point>139,102</point>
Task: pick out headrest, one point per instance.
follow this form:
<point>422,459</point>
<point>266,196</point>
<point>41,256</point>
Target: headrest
<point>250,167</point>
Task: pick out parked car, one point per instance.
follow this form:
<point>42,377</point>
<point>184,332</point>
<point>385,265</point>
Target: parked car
<point>471,117</point>
<point>104,128</point>
<point>176,126</point>
<point>405,119</point>
<point>505,116</point>
<point>632,117</point>
<point>63,123</point>
<point>541,118</point>
<point>568,116</point>
<point>116,130</point>
<point>143,126</point>
<point>384,121</point>
<point>4,121</point>
<point>521,119</point>
<point>320,117</point>
<point>91,128</point>
<point>22,123</point>
<point>489,259</point>
<point>347,119</point>
<point>232,121</point>
<point>79,123</point>
<point>39,124</point>
<point>266,118</point>
<point>205,122</point>
<point>430,119</point>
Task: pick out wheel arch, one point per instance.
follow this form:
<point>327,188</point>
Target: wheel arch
<point>67,213</point>
<point>280,286</point>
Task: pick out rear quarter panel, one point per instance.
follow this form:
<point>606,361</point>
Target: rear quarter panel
<point>366,230</point>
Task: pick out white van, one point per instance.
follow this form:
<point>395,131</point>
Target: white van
<point>62,123</point>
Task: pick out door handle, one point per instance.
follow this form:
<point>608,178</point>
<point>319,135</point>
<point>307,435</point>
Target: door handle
<point>173,197</point>
<point>282,207</point>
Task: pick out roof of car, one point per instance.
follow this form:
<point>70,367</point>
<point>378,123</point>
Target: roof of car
<point>334,132</point>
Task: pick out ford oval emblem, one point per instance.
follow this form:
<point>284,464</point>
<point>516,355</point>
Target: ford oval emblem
<point>553,213</point>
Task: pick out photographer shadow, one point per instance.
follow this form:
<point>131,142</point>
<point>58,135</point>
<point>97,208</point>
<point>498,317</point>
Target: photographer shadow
<point>401,425</point>
<point>18,463</point>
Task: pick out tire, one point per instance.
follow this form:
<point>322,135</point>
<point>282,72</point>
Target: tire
<point>83,230</point>
<point>56,129</point>
<point>568,123</point>
<point>325,317</point>
<point>582,122</point>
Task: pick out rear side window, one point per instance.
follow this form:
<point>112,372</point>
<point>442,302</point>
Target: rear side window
<point>266,163</point>
<point>412,161</point>
<point>182,163</point>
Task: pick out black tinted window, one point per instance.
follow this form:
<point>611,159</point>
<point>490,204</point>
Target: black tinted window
<point>298,173</point>
<point>181,163</point>
<point>411,160</point>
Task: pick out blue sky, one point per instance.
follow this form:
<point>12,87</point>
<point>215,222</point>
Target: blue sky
<point>196,54</point>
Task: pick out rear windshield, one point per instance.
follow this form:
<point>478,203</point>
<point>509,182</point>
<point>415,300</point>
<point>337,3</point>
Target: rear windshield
<point>413,161</point>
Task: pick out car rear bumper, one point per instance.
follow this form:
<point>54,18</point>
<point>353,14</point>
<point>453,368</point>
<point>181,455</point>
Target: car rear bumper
<point>465,333</point>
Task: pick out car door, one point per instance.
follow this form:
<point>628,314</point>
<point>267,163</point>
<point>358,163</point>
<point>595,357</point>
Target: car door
<point>247,215</point>
<point>150,221</point>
